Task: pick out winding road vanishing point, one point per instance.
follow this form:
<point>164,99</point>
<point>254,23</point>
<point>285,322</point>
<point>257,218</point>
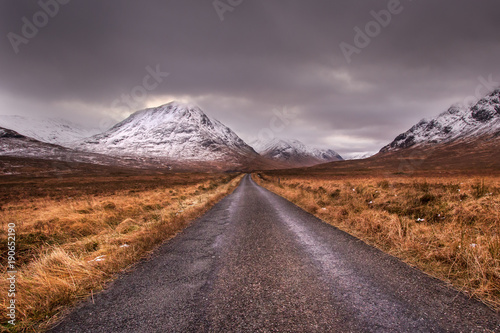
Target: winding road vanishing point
<point>257,263</point>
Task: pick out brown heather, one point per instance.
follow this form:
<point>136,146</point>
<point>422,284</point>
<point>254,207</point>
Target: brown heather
<point>447,227</point>
<point>59,238</point>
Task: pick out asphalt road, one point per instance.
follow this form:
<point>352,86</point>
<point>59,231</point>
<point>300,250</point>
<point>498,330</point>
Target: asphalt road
<point>258,263</point>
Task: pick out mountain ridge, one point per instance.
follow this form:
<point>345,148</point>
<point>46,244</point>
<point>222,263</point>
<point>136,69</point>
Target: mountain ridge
<point>16,145</point>
<point>294,153</point>
<point>457,123</point>
<point>50,130</point>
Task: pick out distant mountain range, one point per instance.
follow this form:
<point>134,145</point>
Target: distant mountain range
<point>482,120</point>
<point>173,136</point>
<point>50,130</point>
<point>182,137</point>
<point>294,153</point>
<point>359,155</point>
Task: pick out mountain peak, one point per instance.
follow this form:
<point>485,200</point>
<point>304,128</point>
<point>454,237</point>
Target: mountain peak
<point>174,132</point>
<point>263,146</point>
<point>294,152</point>
<point>176,107</point>
<point>173,107</point>
<point>457,123</point>
<point>181,105</point>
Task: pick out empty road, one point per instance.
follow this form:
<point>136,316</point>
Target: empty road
<point>258,263</point>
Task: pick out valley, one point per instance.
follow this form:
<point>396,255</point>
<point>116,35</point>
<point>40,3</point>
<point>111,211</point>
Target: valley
<point>86,211</point>
<point>249,166</point>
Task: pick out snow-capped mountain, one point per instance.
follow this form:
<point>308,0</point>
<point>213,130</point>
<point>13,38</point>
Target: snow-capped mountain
<point>16,145</point>
<point>294,153</point>
<point>173,132</point>
<point>359,155</point>
<point>457,123</point>
<point>50,130</point>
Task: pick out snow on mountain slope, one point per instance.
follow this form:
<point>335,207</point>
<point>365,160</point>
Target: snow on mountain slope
<point>359,155</point>
<point>51,130</point>
<point>16,145</point>
<point>174,132</point>
<point>457,123</point>
<point>295,153</point>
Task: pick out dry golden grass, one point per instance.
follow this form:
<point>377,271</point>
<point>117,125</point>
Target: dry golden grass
<point>59,240</point>
<point>448,227</point>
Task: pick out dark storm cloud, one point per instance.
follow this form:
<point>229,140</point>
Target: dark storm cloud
<point>264,55</point>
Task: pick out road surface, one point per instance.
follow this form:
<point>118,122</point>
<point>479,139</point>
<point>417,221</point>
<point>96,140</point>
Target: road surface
<point>258,263</point>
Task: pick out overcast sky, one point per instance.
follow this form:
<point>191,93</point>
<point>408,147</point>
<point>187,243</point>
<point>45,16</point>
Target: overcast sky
<point>241,59</point>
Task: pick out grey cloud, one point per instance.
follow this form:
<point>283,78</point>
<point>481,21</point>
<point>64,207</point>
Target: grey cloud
<point>264,55</point>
